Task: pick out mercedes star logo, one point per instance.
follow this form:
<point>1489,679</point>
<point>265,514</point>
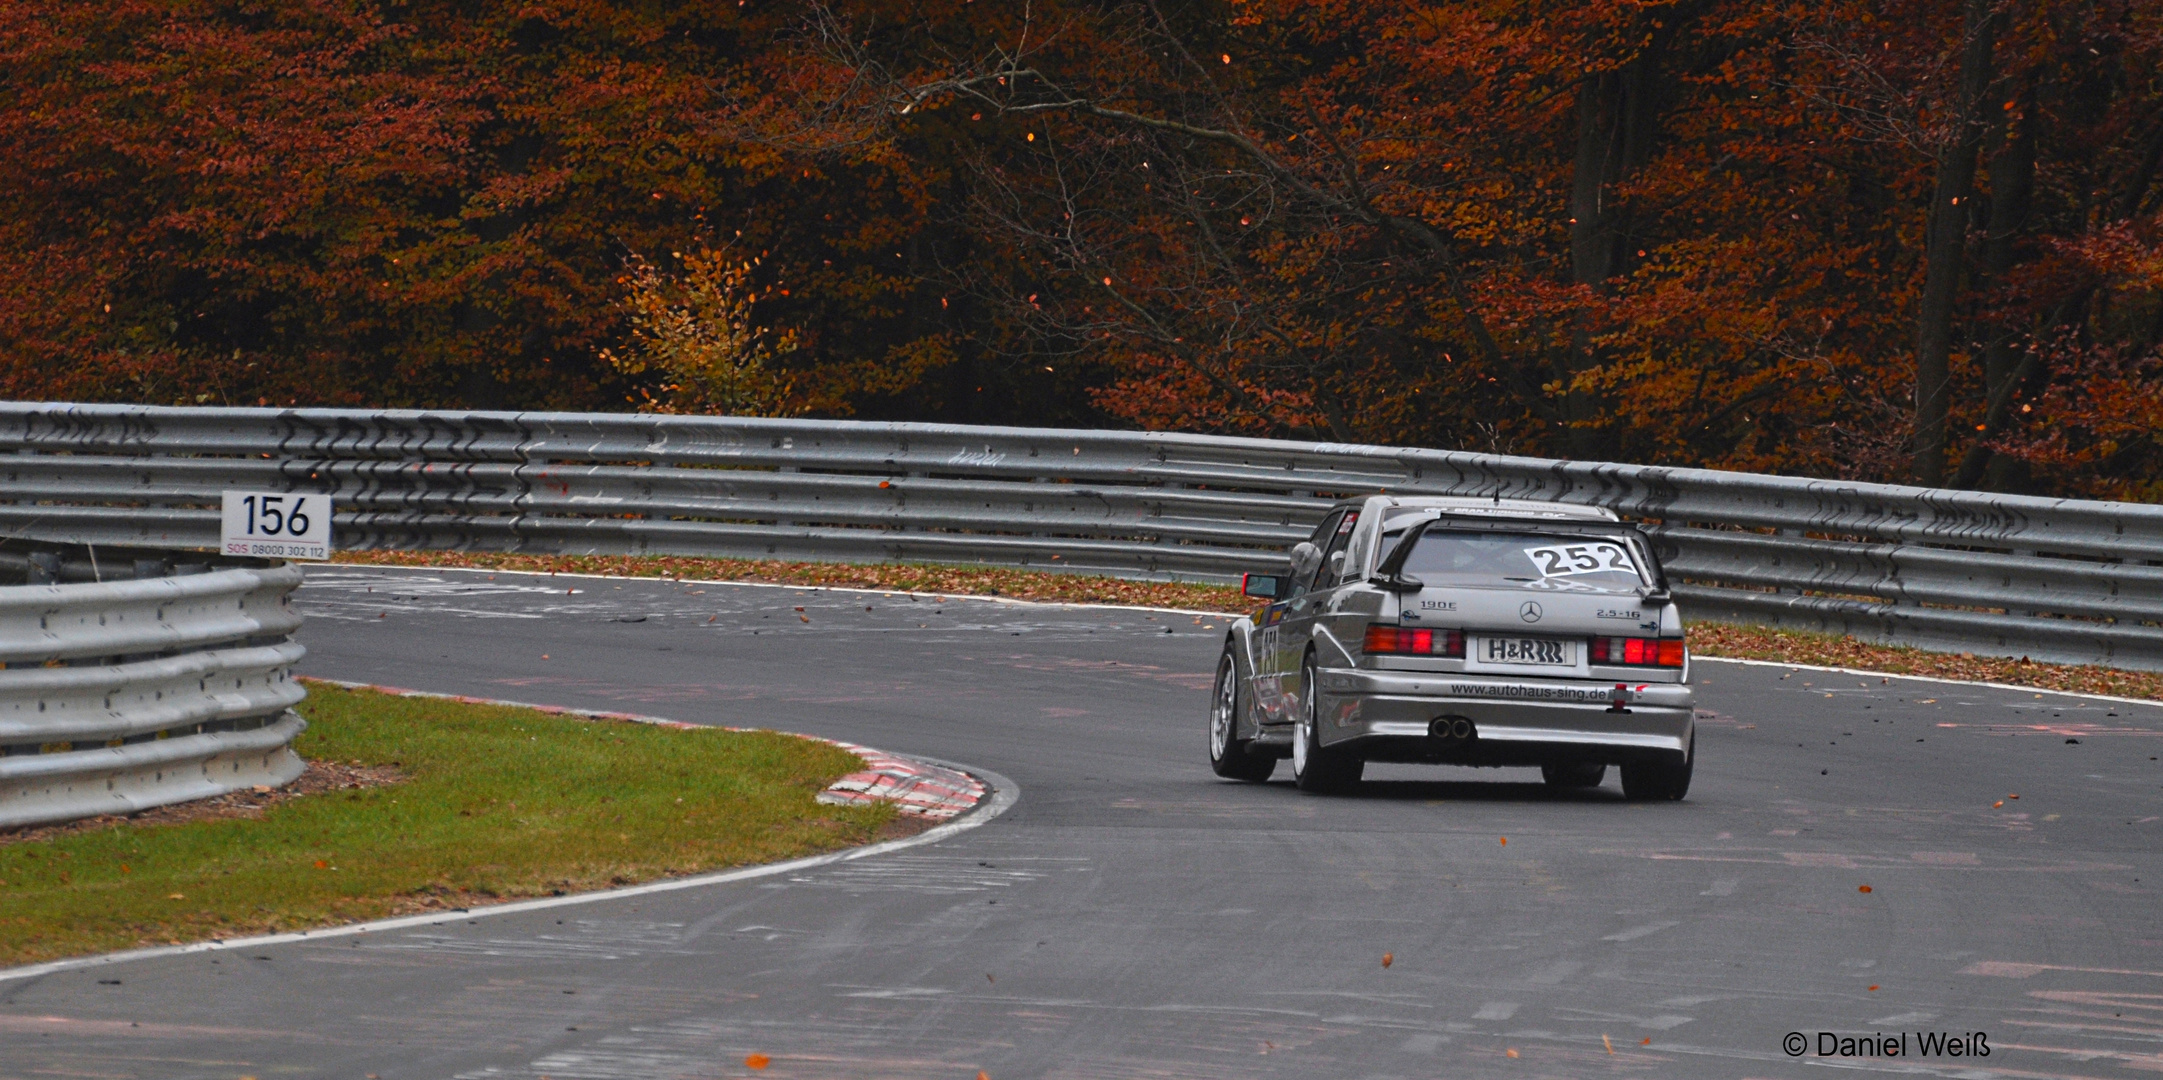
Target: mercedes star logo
<point>1530,612</point>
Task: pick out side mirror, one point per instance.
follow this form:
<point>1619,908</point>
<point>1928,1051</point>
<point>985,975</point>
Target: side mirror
<point>1305,557</point>
<point>1262,586</point>
<point>1336,564</point>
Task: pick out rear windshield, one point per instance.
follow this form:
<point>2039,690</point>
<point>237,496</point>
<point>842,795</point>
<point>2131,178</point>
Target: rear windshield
<point>1526,560</point>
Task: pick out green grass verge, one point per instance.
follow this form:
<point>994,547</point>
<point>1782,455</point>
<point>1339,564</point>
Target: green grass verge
<point>498,803</point>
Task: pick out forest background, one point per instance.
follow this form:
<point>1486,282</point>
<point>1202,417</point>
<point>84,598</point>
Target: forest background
<point>1906,240</point>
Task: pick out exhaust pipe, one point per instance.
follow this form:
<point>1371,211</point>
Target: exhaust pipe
<point>1454,729</point>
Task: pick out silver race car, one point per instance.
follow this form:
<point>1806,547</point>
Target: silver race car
<point>1462,632</point>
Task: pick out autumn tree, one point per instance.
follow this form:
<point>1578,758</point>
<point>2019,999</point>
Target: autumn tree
<point>1890,239</point>
<point>697,334</point>
<point>1786,237</point>
<point>420,203</point>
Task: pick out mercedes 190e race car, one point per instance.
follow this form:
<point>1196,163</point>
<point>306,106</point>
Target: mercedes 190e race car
<point>1463,632</point>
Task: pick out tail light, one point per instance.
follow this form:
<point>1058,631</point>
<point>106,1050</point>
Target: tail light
<point>1411,641</point>
<point>1638,652</point>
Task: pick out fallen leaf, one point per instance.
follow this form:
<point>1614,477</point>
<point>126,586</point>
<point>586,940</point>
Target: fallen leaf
<point>1999,803</point>
<point>1505,841</point>
<point>1862,888</point>
<point>321,865</point>
<point>176,896</point>
<point>1388,959</point>
<point>1603,1042</point>
<point>544,656</point>
<point>757,1061</point>
<point>1646,1042</point>
<point>1512,1051</point>
<point>2012,796</point>
<point>1873,986</point>
<point>805,618</point>
<point>989,979</point>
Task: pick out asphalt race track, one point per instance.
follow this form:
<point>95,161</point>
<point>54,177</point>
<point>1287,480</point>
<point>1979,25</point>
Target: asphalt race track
<point>1133,916</point>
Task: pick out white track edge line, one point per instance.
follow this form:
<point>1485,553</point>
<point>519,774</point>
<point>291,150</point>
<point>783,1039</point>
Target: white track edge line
<point>1004,794</point>
<point>808,588</point>
<point>1216,615</point>
<point>2037,690</point>
<point>1229,615</point>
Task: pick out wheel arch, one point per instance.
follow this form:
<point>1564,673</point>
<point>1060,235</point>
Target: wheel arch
<point>1239,642</point>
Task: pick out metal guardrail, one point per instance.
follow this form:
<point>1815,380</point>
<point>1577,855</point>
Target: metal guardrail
<point>2054,579</point>
<point>170,683</point>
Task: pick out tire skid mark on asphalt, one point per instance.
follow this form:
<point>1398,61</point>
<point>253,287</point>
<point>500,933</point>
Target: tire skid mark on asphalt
<point>2076,730</point>
<point>1860,672</point>
<point>875,1038</point>
<point>361,598</point>
<point>1921,860</point>
<point>935,874</point>
<point>585,939</point>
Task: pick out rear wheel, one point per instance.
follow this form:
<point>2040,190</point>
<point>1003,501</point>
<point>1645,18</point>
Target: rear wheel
<point>1229,755</point>
<point>1661,780</point>
<point>1574,774</point>
<point>1315,767</point>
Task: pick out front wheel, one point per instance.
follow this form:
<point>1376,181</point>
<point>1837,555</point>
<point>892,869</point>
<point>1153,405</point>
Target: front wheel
<point>1229,755</point>
<point>1315,767</point>
<point>1662,780</point>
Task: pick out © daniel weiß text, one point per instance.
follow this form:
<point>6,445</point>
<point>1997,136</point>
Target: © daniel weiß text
<point>1940,1044</point>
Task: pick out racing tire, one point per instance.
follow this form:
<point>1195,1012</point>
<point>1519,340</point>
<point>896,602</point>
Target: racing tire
<point>1660,780</point>
<point>1230,756</point>
<point>1574,774</point>
<point>1317,768</point>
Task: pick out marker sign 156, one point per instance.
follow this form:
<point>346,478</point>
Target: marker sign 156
<point>277,525</point>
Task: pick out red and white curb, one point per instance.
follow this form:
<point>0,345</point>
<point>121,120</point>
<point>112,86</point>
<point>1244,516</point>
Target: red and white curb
<point>916,788</point>
<point>1004,793</point>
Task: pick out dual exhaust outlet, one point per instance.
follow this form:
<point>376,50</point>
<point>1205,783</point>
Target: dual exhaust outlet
<point>1452,729</point>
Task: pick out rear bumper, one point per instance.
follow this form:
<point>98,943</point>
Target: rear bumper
<point>1388,716</point>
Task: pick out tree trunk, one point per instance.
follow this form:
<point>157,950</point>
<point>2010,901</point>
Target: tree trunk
<point>1945,241</point>
<point>1617,119</point>
<point>2012,188</point>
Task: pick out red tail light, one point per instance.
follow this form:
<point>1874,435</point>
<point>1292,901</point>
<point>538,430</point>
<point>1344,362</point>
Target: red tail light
<point>1638,652</point>
<point>1411,641</point>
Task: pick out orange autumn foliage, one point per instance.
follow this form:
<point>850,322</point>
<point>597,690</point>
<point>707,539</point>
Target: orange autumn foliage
<point>1879,240</point>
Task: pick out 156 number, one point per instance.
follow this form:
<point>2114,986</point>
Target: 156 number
<point>270,510</point>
